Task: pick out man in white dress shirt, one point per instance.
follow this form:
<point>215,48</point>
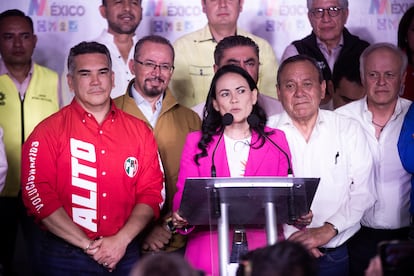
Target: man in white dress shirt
<point>381,114</point>
<point>123,17</point>
<point>329,146</point>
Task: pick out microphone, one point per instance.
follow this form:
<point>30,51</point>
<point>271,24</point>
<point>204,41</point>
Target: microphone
<point>226,120</point>
<point>253,121</point>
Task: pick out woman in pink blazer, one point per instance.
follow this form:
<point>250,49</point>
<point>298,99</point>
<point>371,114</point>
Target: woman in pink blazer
<point>241,150</point>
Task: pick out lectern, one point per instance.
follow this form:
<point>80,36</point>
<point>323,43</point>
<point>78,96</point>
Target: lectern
<point>246,200</point>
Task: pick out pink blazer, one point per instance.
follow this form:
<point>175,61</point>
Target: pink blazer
<point>264,161</point>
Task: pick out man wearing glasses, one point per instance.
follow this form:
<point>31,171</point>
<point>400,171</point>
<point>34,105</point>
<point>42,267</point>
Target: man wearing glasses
<point>148,98</point>
<point>329,41</point>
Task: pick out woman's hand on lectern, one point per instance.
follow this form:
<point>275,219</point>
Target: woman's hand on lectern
<point>178,221</point>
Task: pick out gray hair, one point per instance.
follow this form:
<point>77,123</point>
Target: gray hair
<point>342,4</point>
<point>383,45</point>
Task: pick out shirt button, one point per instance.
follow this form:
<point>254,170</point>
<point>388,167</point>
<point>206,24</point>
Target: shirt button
<point>104,217</point>
<point>104,195</point>
<point>100,131</point>
<point>103,151</point>
<point>103,173</point>
<point>83,121</point>
<point>89,115</point>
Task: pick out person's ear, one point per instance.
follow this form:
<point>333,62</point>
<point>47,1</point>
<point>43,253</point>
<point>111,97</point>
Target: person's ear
<point>323,88</point>
<point>131,64</point>
<point>215,105</point>
<point>215,68</point>
<point>113,79</point>
<point>203,5</point>
<point>241,3</point>
<point>34,40</point>
<point>278,92</point>
<point>255,93</point>
<point>346,11</point>
<point>69,79</point>
<point>102,11</point>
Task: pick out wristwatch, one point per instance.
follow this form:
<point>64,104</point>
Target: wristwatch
<point>170,226</point>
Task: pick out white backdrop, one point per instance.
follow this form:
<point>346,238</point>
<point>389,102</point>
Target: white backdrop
<point>59,24</point>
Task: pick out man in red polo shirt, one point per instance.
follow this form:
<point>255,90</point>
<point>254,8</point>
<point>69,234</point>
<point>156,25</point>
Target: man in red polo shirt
<point>91,175</point>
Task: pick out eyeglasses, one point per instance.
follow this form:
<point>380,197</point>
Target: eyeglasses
<point>150,66</point>
<point>320,12</point>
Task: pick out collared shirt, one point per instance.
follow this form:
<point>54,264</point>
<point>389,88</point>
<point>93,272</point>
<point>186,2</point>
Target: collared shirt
<point>338,154</point>
<point>120,68</point>
<point>97,172</point>
<point>146,107</point>
<point>194,60</point>
<point>392,181</point>
<point>330,57</point>
<point>21,87</point>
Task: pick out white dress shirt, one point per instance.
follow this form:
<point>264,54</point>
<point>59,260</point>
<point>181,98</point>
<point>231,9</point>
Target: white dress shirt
<point>146,107</point>
<point>392,182</point>
<point>337,153</point>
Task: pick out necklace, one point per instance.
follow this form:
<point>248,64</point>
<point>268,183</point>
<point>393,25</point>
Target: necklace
<point>378,125</point>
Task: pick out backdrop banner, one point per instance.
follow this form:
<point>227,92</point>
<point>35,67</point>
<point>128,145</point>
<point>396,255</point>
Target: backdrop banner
<point>60,24</point>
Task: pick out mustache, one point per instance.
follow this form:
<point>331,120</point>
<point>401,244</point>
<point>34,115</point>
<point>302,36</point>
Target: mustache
<point>126,14</point>
<point>155,79</point>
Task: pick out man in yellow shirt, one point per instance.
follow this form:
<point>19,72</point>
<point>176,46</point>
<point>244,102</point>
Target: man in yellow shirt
<point>194,54</point>
<point>28,94</point>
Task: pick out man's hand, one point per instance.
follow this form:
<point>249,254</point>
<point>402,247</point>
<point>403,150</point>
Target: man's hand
<point>304,220</point>
<point>179,221</point>
<point>312,238</point>
<point>112,248</point>
<point>374,267</point>
<point>157,238</point>
<point>109,251</point>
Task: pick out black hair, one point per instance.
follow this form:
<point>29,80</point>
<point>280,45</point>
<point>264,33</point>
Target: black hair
<point>163,264</point>
<point>347,68</point>
<point>233,41</point>
<point>18,13</point>
<point>87,48</point>
<point>285,258</point>
<point>403,26</point>
<point>212,119</point>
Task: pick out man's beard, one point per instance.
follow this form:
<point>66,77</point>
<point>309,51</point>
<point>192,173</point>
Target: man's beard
<point>153,91</point>
<point>123,30</point>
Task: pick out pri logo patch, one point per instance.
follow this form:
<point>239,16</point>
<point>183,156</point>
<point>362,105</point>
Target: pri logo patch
<point>131,166</point>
